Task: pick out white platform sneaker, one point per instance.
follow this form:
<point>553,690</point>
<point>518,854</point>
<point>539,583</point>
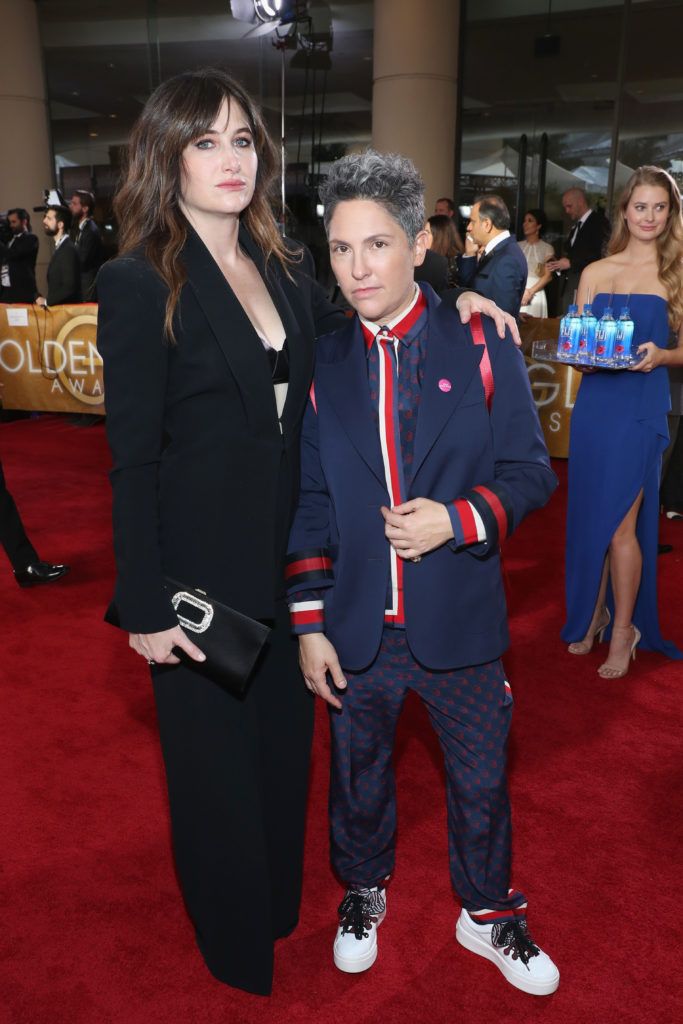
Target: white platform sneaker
<point>361,912</point>
<point>508,945</point>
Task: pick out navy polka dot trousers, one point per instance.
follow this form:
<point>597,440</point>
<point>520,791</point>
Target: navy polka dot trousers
<point>470,709</point>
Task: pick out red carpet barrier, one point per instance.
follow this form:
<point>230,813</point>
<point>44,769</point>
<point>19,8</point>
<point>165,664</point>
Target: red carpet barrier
<point>49,359</point>
<point>93,930</point>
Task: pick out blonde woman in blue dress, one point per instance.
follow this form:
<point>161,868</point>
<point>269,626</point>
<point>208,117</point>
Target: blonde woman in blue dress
<point>619,432</point>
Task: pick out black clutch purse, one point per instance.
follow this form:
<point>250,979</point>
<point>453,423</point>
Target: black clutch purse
<point>230,640</point>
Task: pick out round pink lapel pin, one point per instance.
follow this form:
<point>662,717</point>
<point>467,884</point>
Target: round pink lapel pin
<point>445,385</point>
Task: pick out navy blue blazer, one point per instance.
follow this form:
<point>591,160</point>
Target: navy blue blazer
<point>454,600</point>
<point>500,275</point>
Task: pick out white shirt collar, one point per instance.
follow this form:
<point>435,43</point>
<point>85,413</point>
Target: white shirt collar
<point>57,244</point>
<point>374,328</point>
<point>496,241</point>
<point>582,220</point>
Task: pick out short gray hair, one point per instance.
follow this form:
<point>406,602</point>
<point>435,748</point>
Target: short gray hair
<point>391,180</point>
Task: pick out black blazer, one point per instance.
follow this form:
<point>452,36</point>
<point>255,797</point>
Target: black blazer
<point>20,257</point>
<point>434,270</point>
<point>500,275</point>
<point>88,242</point>
<point>64,275</point>
<point>204,481</point>
<point>589,246</point>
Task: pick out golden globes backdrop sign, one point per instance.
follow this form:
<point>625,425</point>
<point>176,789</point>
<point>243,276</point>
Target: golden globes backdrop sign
<point>49,360</point>
<point>553,386</point>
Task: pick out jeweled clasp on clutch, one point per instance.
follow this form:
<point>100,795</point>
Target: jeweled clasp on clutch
<point>196,602</point>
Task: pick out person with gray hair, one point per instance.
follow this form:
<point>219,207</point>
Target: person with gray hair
<point>421,449</point>
<point>493,262</point>
<point>394,182</point>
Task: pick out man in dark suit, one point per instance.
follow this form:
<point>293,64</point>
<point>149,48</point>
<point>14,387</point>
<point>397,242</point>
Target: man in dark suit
<point>64,270</point>
<point>87,239</point>
<point>584,244</point>
<point>493,263</point>
<point>412,474</point>
<point>18,260</point>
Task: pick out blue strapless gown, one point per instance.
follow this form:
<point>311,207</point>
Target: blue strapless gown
<point>618,433</point>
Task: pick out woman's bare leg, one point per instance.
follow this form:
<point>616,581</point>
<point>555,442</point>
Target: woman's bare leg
<point>600,616</point>
<point>626,564</point>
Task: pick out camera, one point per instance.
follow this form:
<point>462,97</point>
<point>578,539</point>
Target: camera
<point>51,197</point>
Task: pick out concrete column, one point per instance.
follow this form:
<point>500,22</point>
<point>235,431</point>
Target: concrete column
<point>26,167</point>
<point>414,97</point>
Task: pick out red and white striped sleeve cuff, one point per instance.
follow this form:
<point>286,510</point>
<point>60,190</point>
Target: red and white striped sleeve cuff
<point>307,617</point>
<point>468,525</point>
<point>482,514</point>
<point>311,568</point>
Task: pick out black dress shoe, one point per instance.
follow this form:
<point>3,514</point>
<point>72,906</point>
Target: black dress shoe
<point>39,572</point>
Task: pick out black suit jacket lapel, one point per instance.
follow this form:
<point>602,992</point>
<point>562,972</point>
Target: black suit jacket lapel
<point>234,333</point>
<point>296,320</point>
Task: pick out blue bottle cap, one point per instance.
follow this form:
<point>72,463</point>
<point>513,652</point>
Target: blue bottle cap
<point>587,308</point>
<point>625,311</point>
<point>573,308</point>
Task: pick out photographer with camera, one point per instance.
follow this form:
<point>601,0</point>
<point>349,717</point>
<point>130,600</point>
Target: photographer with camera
<point>18,255</point>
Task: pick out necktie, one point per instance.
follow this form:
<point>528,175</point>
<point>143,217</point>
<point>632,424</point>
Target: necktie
<point>390,442</point>
<point>389,428</point>
<point>575,233</point>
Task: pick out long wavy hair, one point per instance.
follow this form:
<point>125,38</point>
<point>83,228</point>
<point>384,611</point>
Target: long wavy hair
<point>669,243</point>
<point>447,241</point>
<point>147,205</point>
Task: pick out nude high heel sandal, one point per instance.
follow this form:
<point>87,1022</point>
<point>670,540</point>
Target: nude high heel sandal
<point>608,671</point>
<point>585,646</point>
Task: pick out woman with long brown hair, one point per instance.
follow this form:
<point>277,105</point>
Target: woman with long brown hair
<point>619,431</point>
<point>445,240</point>
<point>207,321</point>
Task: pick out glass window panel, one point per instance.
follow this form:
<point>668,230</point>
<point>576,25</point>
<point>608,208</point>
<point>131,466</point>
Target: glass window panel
<point>534,74</point>
<point>651,129</point>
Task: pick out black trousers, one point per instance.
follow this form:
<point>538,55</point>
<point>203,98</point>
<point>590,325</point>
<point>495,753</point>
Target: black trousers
<point>237,773</point>
<point>20,551</point>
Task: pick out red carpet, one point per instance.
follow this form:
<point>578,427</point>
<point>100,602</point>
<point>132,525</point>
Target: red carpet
<point>93,931</point>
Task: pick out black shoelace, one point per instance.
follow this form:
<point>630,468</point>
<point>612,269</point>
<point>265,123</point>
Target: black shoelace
<point>515,941</point>
<point>359,910</point>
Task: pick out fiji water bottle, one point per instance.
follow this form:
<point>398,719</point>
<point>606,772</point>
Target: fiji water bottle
<point>589,326</point>
<point>605,336</point>
<point>570,331</point>
<point>623,338</point>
